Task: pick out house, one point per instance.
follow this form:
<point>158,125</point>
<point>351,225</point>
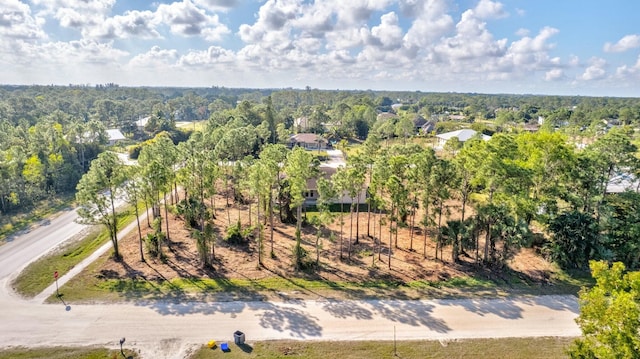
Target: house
<point>142,123</point>
<point>428,127</point>
<point>311,195</point>
<point>457,117</point>
<point>418,122</point>
<point>462,135</point>
<point>114,135</point>
<point>309,141</point>
<point>623,182</point>
<point>384,116</point>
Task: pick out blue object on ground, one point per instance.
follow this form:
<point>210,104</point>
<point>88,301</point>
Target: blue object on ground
<point>224,347</point>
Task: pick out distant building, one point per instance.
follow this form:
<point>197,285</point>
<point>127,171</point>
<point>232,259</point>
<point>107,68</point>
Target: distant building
<point>142,123</point>
<point>114,136</point>
<point>622,183</point>
<point>462,135</point>
<point>309,141</point>
<point>311,195</point>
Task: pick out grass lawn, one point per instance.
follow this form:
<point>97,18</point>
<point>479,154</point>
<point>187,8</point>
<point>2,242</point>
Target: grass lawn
<point>522,348</point>
<point>39,275</point>
<point>65,353</point>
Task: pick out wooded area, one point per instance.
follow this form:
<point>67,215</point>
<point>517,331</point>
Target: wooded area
<point>517,188</point>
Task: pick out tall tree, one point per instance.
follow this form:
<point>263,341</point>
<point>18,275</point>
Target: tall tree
<point>273,156</point>
<point>298,170</point>
<point>96,195</point>
<point>133,195</point>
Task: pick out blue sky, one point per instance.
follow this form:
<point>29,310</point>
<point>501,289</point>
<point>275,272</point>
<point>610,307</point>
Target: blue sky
<point>566,47</point>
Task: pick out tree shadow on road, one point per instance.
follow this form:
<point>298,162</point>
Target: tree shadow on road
<point>296,322</point>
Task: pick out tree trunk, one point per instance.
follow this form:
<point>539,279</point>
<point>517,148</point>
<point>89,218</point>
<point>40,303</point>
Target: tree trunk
<point>139,233</point>
<point>166,216</point>
<point>350,229</point>
<point>391,234</point>
<point>259,232</point>
<point>358,220</point>
<point>114,229</point>
<point>369,218</point>
<point>380,234</point>
<point>298,237</point>
<point>341,224</point>
<point>439,235</point>
<point>271,220</point>
<point>413,221</point>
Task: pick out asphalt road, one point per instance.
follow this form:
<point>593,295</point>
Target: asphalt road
<point>29,245</point>
<point>171,329</point>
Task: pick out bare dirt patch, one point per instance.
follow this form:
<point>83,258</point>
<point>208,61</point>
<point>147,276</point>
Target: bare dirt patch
<point>364,265</point>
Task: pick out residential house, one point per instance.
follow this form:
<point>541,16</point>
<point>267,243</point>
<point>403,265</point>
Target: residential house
<point>622,183</point>
<point>311,196</point>
<point>114,136</point>
<point>383,116</point>
<point>141,123</point>
<point>418,122</point>
<point>428,127</point>
<point>463,136</point>
<point>310,141</point>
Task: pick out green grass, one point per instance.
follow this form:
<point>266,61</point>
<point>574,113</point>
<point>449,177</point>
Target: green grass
<point>522,348</point>
<point>87,287</point>
<point>65,353</point>
<point>39,275</point>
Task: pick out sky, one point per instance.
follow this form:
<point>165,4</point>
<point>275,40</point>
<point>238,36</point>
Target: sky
<point>552,47</point>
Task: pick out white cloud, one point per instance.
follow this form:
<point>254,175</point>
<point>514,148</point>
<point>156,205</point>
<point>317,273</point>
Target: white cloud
<point>554,75</point>
<point>595,71</point>
<point>273,16</point>
<point>472,41</point>
<point>356,12</point>
<point>70,53</point>
<point>626,43</point>
<point>16,22</point>
<point>432,21</point>
<point>624,72</point>
<point>487,9</point>
<point>218,5</point>
<point>138,24</point>
<point>387,35</point>
<point>84,6</point>
<point>186,19</point>
<point>155,58</point>
<point>213,55</point>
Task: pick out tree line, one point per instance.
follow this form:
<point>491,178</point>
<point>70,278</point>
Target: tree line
<point>500,190</point>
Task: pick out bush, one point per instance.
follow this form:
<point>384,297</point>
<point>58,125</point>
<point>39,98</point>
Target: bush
<point>236,235</point>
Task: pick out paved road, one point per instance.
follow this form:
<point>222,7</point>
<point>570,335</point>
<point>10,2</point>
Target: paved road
<point>172,329</point>
<point>24,248</point>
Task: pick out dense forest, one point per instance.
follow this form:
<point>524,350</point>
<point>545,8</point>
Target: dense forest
<point>53,140</point>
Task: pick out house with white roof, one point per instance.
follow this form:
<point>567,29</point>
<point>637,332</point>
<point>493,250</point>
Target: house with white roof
<point>141,123</point>
<point>463,136</point>
<point>114,135</point>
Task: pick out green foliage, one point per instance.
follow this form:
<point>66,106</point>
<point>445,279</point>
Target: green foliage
<point>575,240</point>
<point>609,314</point>
<point>154,240</point>
<point>236,235</point>
<point>193,211</point>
